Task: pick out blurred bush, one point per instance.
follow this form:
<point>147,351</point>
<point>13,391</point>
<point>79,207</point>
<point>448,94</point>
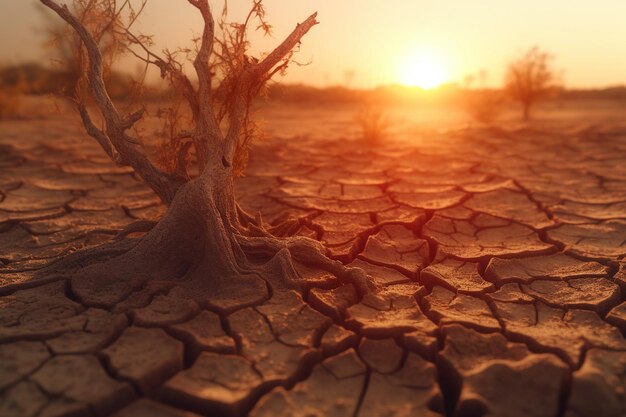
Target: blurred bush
<point>374,123</point>
<point>33,78</point>
<point>481,103</point>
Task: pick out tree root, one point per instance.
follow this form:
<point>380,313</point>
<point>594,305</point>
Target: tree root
<point>136,227</point>
<point>254,238</point>
<point>216,253</point>
<point>109,274</point>
<point>307,251</point>
<point>85,257</point>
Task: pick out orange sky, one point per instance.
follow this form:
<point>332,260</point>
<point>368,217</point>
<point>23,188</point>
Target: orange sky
<point>378,39</point>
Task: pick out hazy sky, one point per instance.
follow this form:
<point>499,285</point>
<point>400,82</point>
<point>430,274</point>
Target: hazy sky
<point>378,39</point>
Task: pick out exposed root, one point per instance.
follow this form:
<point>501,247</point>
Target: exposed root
<point>83,258</point>
<point>307,251</point>
<point>136,227</point>
<point>221,261</point>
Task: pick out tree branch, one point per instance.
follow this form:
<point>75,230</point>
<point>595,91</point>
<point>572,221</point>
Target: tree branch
<point>178,77</point>
<point>163,184</point>
<point>254,78</point>
<point>282,50</point>
<point>96,133</point>
<point>207,122</point>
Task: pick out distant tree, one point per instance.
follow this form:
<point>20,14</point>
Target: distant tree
<point>531,78</point>
<point>205,241</point>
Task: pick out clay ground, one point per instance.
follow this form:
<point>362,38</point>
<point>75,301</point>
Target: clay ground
<point>500,253</point>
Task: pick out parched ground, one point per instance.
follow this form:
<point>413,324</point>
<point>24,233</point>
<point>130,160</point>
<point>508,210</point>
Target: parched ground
<point>501,254</point>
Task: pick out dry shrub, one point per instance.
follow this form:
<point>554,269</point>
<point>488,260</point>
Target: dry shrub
<point>483,105</point>
<point>174,145</point>
<point>374,123</point>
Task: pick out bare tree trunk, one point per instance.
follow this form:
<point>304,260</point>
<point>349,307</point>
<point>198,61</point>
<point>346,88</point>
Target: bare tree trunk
<point>193,244</point>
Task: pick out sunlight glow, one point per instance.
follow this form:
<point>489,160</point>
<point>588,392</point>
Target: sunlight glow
<point>426,70</point>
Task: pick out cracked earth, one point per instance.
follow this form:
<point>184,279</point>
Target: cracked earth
<point>501,257</point>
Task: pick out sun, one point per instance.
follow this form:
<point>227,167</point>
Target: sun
<point>425,70</point>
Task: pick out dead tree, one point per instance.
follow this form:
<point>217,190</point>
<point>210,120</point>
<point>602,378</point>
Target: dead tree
<point>205,242</point>
<point>530,79</point>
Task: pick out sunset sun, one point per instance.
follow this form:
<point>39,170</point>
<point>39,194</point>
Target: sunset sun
<point>426,70</point>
